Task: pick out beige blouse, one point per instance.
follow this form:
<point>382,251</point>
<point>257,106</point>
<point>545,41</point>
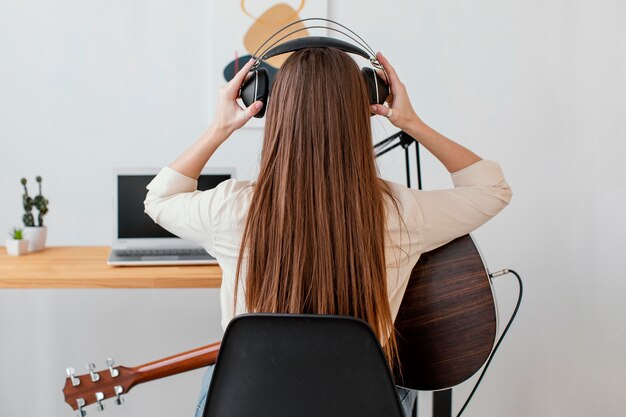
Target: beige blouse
<point>427,219</point>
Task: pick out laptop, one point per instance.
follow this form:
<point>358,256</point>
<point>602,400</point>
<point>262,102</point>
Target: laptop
<point>137,239</point>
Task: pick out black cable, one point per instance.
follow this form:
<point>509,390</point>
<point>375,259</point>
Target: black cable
<point>506,329</point>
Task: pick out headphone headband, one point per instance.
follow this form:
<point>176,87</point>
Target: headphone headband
<point>353,49</point>
<point>314,41</point>
<point>362,43</point>
<point>318,41</point>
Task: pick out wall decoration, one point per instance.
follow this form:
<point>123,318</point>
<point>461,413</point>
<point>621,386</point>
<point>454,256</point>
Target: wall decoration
<point>242,26</point>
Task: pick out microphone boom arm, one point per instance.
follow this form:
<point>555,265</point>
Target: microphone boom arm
<point>405,140</point>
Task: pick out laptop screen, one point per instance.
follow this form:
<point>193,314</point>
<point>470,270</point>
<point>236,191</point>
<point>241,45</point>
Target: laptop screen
<point>132,222</point>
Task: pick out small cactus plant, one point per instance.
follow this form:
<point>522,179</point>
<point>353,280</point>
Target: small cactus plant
<point>39,202</point>
<point>16,234</point>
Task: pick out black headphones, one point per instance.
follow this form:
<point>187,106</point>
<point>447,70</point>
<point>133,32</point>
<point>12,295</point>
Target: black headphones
<point>257,86</point>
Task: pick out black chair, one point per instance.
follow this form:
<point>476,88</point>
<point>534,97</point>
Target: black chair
<point>280,365</point>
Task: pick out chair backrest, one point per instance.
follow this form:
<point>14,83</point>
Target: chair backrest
<point>283,365</point>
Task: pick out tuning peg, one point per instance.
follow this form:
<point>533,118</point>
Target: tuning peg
<point>94,375</point>
<point>71,373</point>
<point>118,394</point>
<point>114,372</point>
<point>99,398</point>
<point>81,403</point>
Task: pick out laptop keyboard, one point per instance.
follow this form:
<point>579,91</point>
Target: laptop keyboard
<point>160,252</point>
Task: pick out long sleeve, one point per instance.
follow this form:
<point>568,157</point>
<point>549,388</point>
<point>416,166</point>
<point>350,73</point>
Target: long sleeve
<point>174,202</point>
<point>480,193</point>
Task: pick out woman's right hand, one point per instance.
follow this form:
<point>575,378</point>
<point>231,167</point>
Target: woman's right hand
<point>403,114</point>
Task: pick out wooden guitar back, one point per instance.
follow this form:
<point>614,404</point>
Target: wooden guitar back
<point>447,320</point>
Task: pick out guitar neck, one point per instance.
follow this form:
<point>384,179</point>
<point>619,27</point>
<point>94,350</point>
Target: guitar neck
<point>83,390</point>
<point>176,364</point>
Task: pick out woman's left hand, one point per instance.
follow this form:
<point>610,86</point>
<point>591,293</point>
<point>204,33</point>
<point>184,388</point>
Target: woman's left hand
<point>229,116</point>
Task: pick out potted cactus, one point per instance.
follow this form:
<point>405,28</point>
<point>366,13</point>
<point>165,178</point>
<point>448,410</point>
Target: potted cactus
<point>15,244</point>
<point>35,233</point>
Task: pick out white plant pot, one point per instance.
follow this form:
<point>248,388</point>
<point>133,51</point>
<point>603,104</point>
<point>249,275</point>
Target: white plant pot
<point>17,247</point>
<point>36,237</point>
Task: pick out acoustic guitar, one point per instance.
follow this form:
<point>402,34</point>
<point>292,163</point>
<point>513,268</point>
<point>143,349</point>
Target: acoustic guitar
<point>446,327</point>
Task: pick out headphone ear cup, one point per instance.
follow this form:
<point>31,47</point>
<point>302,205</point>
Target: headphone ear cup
<point>378,89</point>
<point>256,87</point>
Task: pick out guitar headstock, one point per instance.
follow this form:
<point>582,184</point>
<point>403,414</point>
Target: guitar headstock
<point>96,386</point>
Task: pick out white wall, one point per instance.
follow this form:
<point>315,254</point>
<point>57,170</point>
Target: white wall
<point>538,86</point>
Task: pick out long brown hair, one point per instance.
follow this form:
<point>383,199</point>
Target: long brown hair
<point>314,235</point>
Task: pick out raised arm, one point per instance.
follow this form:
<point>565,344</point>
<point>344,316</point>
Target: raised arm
<point>480,190</point>
<point>400,112</point>
<point>173,200</point>
<point>228,118</point>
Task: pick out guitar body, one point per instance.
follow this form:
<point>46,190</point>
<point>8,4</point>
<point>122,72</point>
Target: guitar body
<point>447,321</point>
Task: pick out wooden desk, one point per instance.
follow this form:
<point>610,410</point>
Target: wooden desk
<point>86,267</point>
